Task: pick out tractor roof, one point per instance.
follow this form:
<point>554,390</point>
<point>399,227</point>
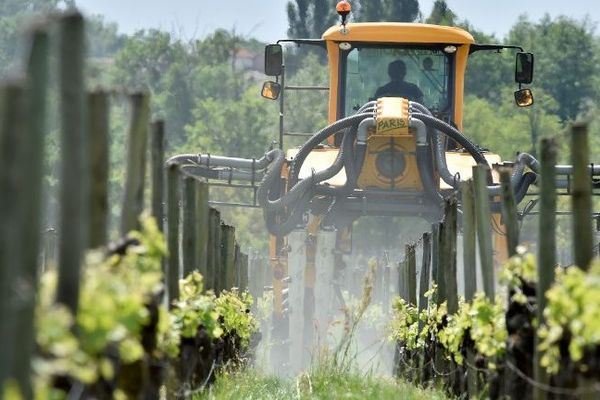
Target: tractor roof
<point>395,32</point>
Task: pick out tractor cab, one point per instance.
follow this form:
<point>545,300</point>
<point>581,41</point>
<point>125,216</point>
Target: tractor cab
<point>423,63</point>
<point>433,58</point>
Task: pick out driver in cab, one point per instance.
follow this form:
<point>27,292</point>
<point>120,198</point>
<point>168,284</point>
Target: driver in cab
<point>397,87</point>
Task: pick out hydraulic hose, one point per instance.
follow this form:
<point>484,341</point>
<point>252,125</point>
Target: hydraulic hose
<point>528,179</point>
<point>298,190</point>
<point>424,161</point>
<point>361,149</point>
<point>518,180</point>
<point>318,137</point>
<point>453,133</point>
<point>208,160</point>
<point>270,178</point>
<point>291,221</point>
<point>370,105</point>
<point>222,174</point>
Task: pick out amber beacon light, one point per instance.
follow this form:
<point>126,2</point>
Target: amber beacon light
<point>343,8</point>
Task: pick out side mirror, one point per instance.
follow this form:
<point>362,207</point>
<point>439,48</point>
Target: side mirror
<point>273,59</point>
<point>270,90</point>
<point>524,68</point>
<point>524,97</point>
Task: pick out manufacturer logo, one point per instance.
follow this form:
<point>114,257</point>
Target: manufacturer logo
<point>390,124</point>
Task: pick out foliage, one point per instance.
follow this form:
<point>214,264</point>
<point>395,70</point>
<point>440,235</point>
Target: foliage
<point>414,329</point>
<point>519,270</point>
<point>112,312</point>
<point>234,309</point>
<point>309,19</point>
<point>405,324</point>
<point>240,127</point>
<point>480,321</point>
<point>194,309</point>
<point>572,314</point>
<point>488,329</point>
<point>14,15</point>
<point>506,132</point>
<point>387,10</point>
<point>115,300</point>
<point>441,14</point>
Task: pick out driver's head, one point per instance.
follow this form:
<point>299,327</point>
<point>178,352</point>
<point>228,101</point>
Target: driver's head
<point>397,70</point>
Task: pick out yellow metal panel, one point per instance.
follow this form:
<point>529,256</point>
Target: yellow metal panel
<point>333,53</point>
<point>462,163</point>
<point>410,178</point>
<point>462,54</point>
<point>319,160</point>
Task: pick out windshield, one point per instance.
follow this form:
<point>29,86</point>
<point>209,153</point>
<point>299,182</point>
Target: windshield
<point>419,74</point>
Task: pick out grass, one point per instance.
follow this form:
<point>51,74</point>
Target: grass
<point>334,374</point>
<point>322,384</point>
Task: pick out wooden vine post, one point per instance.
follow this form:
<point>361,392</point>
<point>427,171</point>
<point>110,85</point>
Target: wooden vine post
<point>546,257</point>
<point>509,212</point>
<point>411,274</point>
<point>243,283</point>
<point>423,287</point>
<point>172,273</point>
<point>484,235</point>
<point>227,270</point>
<point>469,235</point>
<point>133,198</point>
<point>212,249</point>
<point>218,278</point>
<point>98,128</point>
<point>202,227</point>
<point>425,271</point>
<point>469,269</point>
<point>189,225</point>
<point>31,157</point>
<point>448,252</point>
<point>157,155</point>
<point>11,214</point>
<point>440,262</point>
<point>581,196</point>
<point>73,182</point>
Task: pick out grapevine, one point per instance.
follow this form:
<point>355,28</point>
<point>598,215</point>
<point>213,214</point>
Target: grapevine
<point>118,294</point>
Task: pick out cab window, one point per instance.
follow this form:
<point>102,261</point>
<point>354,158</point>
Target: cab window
<point>420,73</point>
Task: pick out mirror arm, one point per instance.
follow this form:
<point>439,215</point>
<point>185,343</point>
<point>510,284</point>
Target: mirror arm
<point>497,47</point>
<point>312,42</point>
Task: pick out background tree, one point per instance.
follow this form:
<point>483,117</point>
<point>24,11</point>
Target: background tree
<point>567,63</point>
<point>310,18</point>
<point>441,14</point>
<point>386,10</point>
<point>13,17</point>
<point>504,129</point>
<point>401,10</point>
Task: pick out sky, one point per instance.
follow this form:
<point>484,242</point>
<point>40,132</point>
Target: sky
<point>266,19</point>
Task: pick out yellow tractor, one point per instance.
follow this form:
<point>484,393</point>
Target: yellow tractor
<point>393,147</point>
